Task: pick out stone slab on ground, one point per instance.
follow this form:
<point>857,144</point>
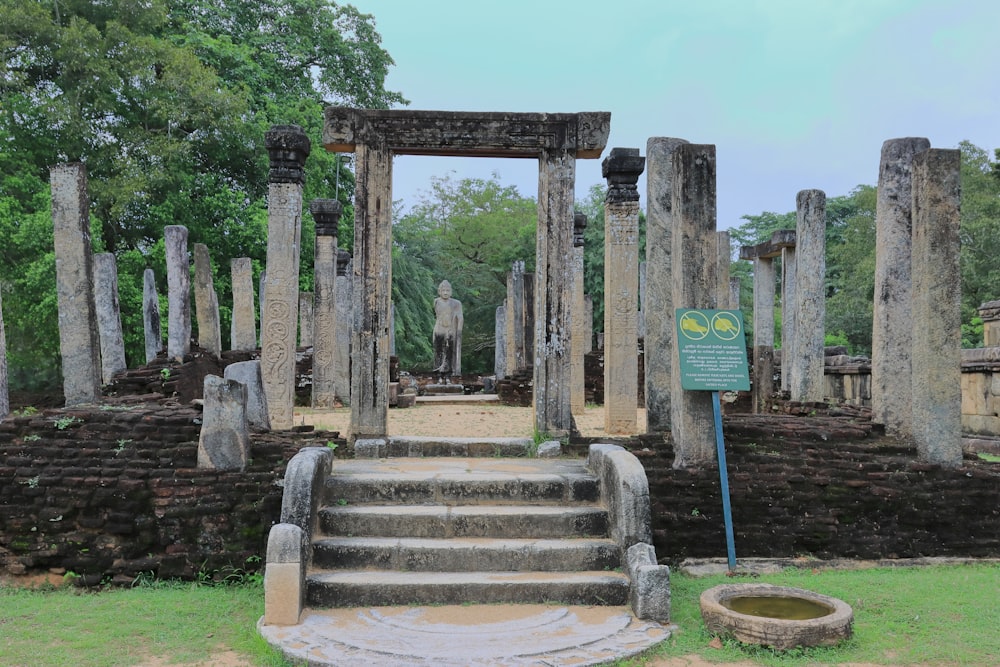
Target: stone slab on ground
<point>515,635</point>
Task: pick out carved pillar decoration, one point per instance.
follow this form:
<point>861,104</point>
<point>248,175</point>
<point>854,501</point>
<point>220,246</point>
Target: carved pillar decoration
<point>621,289</point>
<point>326,213</point>
<point>577,397</point>
<point>287,148</point>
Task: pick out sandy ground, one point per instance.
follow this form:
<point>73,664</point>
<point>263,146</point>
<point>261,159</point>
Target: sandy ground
<point>461,420</point>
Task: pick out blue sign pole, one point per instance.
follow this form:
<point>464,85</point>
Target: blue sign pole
<point>727,511</point>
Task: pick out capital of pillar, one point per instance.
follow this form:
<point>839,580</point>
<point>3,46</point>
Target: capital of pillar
<point>326,213</point>
<point>287,149</point>
<point>622,169</point>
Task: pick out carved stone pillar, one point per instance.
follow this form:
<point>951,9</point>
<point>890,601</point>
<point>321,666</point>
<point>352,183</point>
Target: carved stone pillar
<point>621,289</point>
<point>326,213</point>
<point>287,147</point>
<point>580,328</point>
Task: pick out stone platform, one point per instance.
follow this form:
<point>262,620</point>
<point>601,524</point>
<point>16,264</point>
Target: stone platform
<point>515,635</point>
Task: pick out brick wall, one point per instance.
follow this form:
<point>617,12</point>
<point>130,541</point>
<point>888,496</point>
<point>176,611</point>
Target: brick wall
<point>113,493</point>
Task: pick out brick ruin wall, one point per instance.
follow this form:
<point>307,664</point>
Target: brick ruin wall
<point>115,493</point>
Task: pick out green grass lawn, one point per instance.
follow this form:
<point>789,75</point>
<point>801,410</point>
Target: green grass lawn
<point>904,616</point>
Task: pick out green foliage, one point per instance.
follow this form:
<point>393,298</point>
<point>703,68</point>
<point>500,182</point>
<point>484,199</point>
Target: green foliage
<point>468,232</point>
<point>167,104</point>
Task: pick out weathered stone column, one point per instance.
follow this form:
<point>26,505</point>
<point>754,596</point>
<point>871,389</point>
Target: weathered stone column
<point>735,290</point>
<point>175,238</point>
<point>4,389</point>
<point>621,289</point>
<point>588,336</point>
<point>516,358</point>
<point>500,338</point>
<point>553,291</point>
<point>344,323</point>
<point>725,254</point>
<point>806,382</point>
<point>224,442</point>
<point>247,373</point>
<point>937,297</point>
<point>695,285</point>
<point>151,316</point>
<point>206,303</point>
<point>789,303</point>
<point>892,316</point>
<point>372,269</point>
<point>659,306</point>
<point>763,332</point>
<point>109,319</point>
<point>261,298</point>
<point>243,332</point>
<point>578,344</point>
<point>78,339</point>
<point>326,213</point>
<point>641,322</point>
<point>306,319</point>
<point>287,147</point>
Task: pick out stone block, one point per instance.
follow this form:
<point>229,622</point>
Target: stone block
<point>550,449</point>
<point>284,580</point>
<point>224,443</point>
<point>248,374</point>
<point>371,448</point>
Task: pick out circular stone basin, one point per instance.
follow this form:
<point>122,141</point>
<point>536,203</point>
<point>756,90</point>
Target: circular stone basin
<point>776,616</point>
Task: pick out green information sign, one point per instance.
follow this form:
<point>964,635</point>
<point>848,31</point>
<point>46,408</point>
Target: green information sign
<point>712,348</point>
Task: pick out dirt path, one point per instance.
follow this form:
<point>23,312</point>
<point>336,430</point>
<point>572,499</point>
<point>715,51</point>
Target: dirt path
<point>460,420</point>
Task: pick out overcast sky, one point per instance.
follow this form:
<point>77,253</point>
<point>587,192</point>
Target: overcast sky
<point>794,94</point>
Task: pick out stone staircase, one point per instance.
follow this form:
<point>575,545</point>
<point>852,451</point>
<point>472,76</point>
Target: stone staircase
<point>410,529</point>
<point>456,530</point>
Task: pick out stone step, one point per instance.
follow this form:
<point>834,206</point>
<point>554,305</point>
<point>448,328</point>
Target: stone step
<point>460,481</point>
<point>412,445</point>
<point>537,521</point>
<point>362,588</point>
<point>466,554</point>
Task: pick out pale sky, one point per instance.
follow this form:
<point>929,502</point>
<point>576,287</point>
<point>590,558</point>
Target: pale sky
<point>795,94</point>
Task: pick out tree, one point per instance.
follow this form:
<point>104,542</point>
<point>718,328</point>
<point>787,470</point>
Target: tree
<point>167,104</point>
<point>468,232</point>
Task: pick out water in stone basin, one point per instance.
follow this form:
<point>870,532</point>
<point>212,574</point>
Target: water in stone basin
<point>787,608</point>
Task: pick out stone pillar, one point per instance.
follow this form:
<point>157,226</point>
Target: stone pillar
<point>578,343</point>
<point>516,358</point>
<point>261,286</point>
<point>287,147</point>
<point>807,382</point>
<point>224,442</point>
<point>78,339</point>
<point>109,319</point>
<point>553,291</point>
<point>725,250</point>
<point>790,296</point>
<point>763,332</point>
<point>392,329</point>
<point>659,306</point>
<point>206,302</point>
<point>695,285</point>
<point>344,325</point>
<point>734,293</point>
<point>326,213</point>
<point>892,316</point>
<point>372,276</point>
<point>4,390</point>
<point>588,336</point>
<point>175,239</point>
<point>621,289</point>
<point>500,338</point>
<point>306,321</point>
<point>937,319</point>
<point>641,322</point>
<point>151,316</point>
<point>243,333</point>
<point>247,373</point>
